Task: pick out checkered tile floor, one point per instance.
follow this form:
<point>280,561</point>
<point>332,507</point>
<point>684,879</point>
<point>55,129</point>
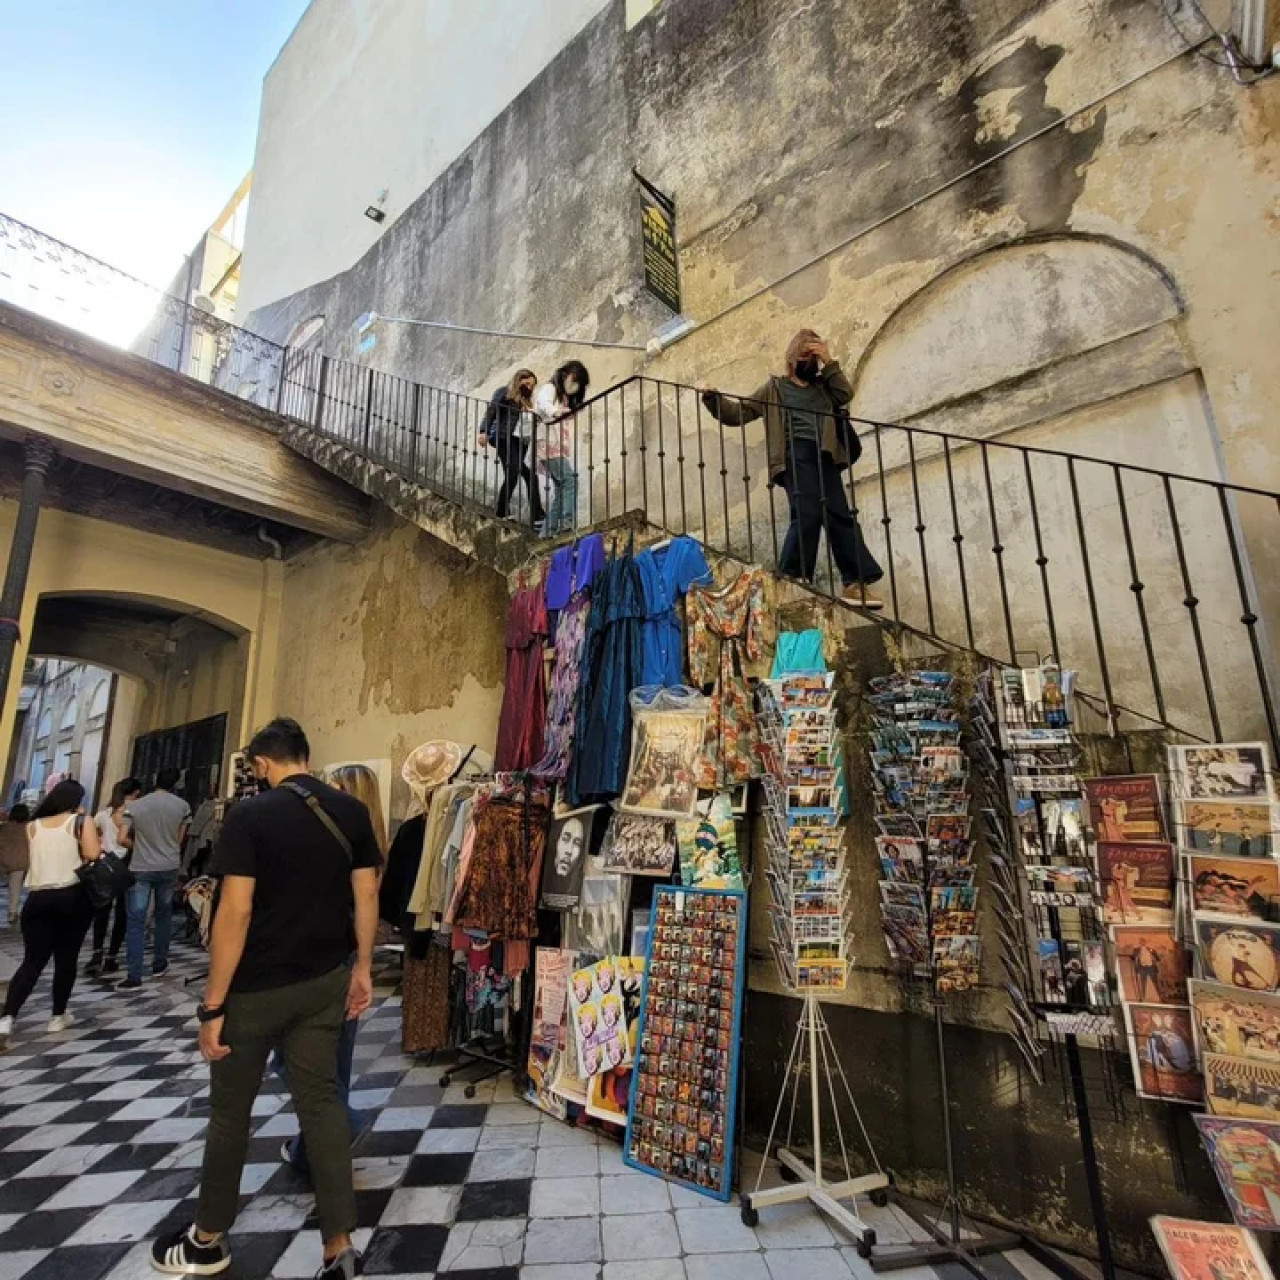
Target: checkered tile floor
<point>101,1140</point>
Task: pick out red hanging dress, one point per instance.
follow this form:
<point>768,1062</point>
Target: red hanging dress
<point>522,728</point>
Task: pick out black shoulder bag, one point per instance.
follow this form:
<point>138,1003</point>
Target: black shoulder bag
<point>105,878</point>
<point>318,809</point>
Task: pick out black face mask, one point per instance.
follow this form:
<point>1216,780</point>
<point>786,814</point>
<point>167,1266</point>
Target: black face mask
<point>807,369</point>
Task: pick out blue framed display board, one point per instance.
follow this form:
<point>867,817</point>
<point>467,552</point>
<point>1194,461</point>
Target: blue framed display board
<point>684,1089</point>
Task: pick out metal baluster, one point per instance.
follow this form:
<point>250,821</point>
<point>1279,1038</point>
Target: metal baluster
<point>1041,559</point>
<point>1192,604</point>
<point>622,412</point>
<point>680,458</point>
<point>886,522</point>
<point>997,550</point>
<point>591,464</point>
<point>1092,596</point>
<point>920,532</point>
<point>322,390</point>
<point>746,491</point>
<point>644,454</point>
<point>415,430</point>
<point>702,466</point>
<point>368,413</point>
<point>662,459</point>
<point>608,504</point>
<point>1137,586</point>
<point>723,476</point>
<point>773,518</point>
<point>1249,619</point>
<point>958,539</point>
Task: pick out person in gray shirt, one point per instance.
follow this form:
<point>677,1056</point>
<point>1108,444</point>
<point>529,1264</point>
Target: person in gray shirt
<point>160,823</point>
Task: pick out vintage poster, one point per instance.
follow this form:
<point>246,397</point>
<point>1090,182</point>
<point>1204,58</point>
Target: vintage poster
<point>1244,887</point>
<point>573,837</point>
<point>598,1017</point>
<point>1246,1157</point>
<point>1223,771</point>
<point>1161,1048</point>
<point>1208,1250</point>
<point>637,846</point>
<point>666,758</point>
<point>1245,955</point>
<point>599,926</point>
<point>607,1092</point>
<point>1152,965</point>
<point>1241,1087</point>
<point>1228,828</point>
<point>1137,882</point>
<point>709,846</point>
<point>1052,981</point>
<point>1125,808</point>
<point>548,1035</point>
<point>1239,1024</point>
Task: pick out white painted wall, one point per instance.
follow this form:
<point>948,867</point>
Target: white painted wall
<point>374,94</point>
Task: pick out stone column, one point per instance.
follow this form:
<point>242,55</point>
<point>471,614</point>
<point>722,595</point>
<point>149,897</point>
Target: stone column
<point>39,458</point>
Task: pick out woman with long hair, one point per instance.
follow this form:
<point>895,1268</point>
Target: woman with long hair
<point>57,913</point>
<point>504,428</point>
<point>116,833</point>
<point>15,856</point>
<point>555,404</point>
<point>360,781</point>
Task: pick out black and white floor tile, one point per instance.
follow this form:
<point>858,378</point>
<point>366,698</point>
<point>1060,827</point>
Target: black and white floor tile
<point>101,1133</point>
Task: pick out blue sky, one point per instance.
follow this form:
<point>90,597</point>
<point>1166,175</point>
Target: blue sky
<point>128,123</point>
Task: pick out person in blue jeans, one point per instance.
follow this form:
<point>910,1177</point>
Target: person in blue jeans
<point>160,822</point>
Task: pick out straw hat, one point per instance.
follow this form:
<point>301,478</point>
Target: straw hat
<point>431,765</point>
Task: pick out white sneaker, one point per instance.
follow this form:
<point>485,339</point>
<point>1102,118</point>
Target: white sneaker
<point>60,1023</point>
<point>6,1030</point>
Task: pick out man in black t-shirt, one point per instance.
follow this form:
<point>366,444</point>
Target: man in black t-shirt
<point>296,865</point>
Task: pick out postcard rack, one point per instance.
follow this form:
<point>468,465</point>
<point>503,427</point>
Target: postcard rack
<point>1048,898</point>
<point>806,807</point>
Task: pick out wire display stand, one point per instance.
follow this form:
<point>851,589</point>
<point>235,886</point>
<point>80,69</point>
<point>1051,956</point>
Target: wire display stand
<point>813,1054</point>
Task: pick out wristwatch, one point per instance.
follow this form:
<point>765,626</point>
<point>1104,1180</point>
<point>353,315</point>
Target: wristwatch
<point>206,1014</point>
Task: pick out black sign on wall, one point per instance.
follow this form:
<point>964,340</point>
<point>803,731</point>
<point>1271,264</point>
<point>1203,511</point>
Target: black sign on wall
<point>658,236</point>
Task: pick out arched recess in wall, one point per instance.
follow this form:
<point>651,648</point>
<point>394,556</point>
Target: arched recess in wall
<point>302,368</point>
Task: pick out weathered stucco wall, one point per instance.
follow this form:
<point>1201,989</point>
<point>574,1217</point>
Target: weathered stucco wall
<point>372,96</point>
<point>388,644</point>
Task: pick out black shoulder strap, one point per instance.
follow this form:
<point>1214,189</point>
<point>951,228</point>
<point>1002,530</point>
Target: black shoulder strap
<point>318,809</point>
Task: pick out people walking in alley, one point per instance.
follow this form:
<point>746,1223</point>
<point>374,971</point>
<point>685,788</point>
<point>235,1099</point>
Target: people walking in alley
<point>57,913</point>
<point>810,444</point>
<point>297,864</point>
<point>116,834</point>
<point>160,822</point>
<point>555,404</point>
<point>15,856</point>
<point>361,782</point>
<point>508,426</point>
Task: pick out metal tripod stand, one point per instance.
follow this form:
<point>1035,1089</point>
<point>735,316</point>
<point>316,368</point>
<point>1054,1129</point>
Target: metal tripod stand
<point>813,1051</point>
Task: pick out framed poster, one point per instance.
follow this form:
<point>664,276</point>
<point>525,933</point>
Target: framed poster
<point>1246,1158</point>
<point>638,846</point>
<point>1161,1049</point>
<point>1242,1087</point>
<point>1248,888</point>
<point>684,1089</point>
<point>1151,964</point>
<point>1223,771</point>
<point>573,837</point>
<point>1244,954</point>
<point>1127,808</point>
<point>1208,1250</point>
<point>1228,828</point>
<point>1236,1023</point>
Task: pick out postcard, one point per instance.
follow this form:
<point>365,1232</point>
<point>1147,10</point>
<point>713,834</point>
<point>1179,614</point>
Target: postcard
<point>1137,882</point>
<point>1246,1157</point>
<point>1228,828</point>
<point>1245,887</point>
<point>1151,964</point>
<point>1242,1087</point>
<point>1245,955</point>
<point>1208,1250</point>
<point>1223,771</point>
<point>1161,1048</point>
<point>1125,808</point>
<point>1236,1023</point>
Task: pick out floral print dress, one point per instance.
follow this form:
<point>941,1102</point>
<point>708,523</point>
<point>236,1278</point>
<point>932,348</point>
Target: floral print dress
<point>726,625</point>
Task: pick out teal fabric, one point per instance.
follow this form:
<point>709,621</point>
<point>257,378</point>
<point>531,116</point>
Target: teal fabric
<point>798,653</point>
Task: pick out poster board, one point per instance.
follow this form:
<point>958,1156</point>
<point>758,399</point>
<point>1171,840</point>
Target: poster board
<point>680,1118</point>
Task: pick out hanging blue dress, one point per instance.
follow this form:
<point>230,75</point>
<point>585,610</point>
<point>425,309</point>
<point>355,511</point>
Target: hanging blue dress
<point>666,574</point>
<point>610,670</point>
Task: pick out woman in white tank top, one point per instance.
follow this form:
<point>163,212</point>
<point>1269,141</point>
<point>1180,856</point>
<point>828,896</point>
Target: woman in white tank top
<point>57,912</point>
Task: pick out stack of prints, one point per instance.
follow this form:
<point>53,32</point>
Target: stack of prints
<point>928,897</point>
<point>1209,1250</point>
<point>805,809</point>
